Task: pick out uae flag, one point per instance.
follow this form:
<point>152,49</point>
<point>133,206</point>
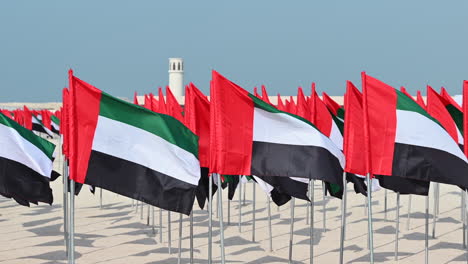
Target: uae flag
<point>55,124</point>
<point>25,164</point>
<point>251,137</point>
<point>38,126</point>
<point>404,140</point>
<point>130,150</point>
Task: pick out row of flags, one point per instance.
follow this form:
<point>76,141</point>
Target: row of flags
<point>163,153</point>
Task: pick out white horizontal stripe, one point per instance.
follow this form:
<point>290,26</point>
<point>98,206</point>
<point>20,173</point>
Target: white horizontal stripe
<point>303,180</point>
<point>263,185</point>
<point>139,146</point>
<point>418,130</point>
<point>17,148</point>
<point>282,128</point>
<point>335,136</point>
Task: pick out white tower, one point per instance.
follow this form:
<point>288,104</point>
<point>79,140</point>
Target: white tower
<point>176,77</point>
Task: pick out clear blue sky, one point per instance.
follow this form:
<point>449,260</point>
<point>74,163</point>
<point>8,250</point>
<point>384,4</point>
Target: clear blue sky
<point>123,46</point>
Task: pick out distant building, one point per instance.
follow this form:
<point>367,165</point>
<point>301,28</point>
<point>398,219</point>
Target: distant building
<point>176,77</point>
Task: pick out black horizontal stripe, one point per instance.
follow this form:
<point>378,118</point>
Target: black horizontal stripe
<point>285,185</point>
<point>404,185</point>
<point>429,164</point>
<point>141,183</point>
<point>311,162</point>
<point>23,184</point>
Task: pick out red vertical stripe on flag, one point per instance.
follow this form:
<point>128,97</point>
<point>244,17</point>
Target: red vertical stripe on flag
<point>231,124</point>
<point>197,118</point>
<point>85,105</point>
<point>330,103</point>
<point>420,100</point>
<point>323,119</point>
<point>379,104</point>
<point>353,138</point>
<point>436,108</point>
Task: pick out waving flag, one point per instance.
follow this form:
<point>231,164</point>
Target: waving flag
<point>25,164</point>
<point>251,137</point>
<point>130,150</point>
<point>405,140</point>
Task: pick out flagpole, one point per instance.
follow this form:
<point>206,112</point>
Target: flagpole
<point>210,218</point>
<point>253,213</point>
<point>397,228</point>
<point>269,224</point>
<point>409,212</point>
<point>229,208</point>
<point>160,225</point>
<point>426,244</point>
<point>169,240</point>
<point>436,198</point>
<point>324,208</point>
<point>311,223</point>
<point>385,206</point>
<point>243,204</point>
<point>65,205</point>
<point>179,255</point>
<point>291,231</point>
<point>369,217</point>
<point>343,218</point>
<point>71,255</point>
<point>152,220</point>
<point>141,210</point>
<point>148,216</point>
<point>240,202</point>
<point>100,198</point>
<point>463,217</point>
<point>221,224</point>
<point>191,237</point>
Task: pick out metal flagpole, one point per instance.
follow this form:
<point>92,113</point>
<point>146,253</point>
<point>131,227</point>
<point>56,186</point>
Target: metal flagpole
<point>269,224</point>
<point>141,211</point>
<point>221,224</point>
<point>240,205</point>
<point>291,231</point>
<point>229,209</point>
<point>148,217</point>
<point>324,207</point>
<point>191,237</point>
<point>369,217</point>
<point>244,193</point>
<point>169,240</point>
<point>426,246</point>
<point>385,205</point>
<point>210,218</point>
<point>436,197</point>
<point>343,218</point>
<point>136,206</point>
<point>311,223</point>
<point>160,225</point>
<point>100,198</point>
<point>179,255</point>
<point>65,205</point>
<point>409,212</point>
<point>463,217</point>
<point>397,228</point>
<point>152,220</point>
<point>307,211</point>
<point>253,213</point>
<point>71,255</point>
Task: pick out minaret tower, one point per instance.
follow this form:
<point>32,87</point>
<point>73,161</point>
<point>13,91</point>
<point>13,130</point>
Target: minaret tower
<point>176,77</point>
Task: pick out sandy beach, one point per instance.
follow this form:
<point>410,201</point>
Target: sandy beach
<point>118,233</point>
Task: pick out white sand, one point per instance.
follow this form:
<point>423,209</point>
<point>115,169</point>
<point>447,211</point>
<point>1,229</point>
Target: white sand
<point>116,234</point>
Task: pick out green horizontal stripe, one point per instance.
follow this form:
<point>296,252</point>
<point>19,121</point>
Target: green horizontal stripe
<point>164,126</point>
<point>408,104</point>
<point>269,108</point>
<point>457,116</point>
<point>55,119</point>
<point>45,146</point>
